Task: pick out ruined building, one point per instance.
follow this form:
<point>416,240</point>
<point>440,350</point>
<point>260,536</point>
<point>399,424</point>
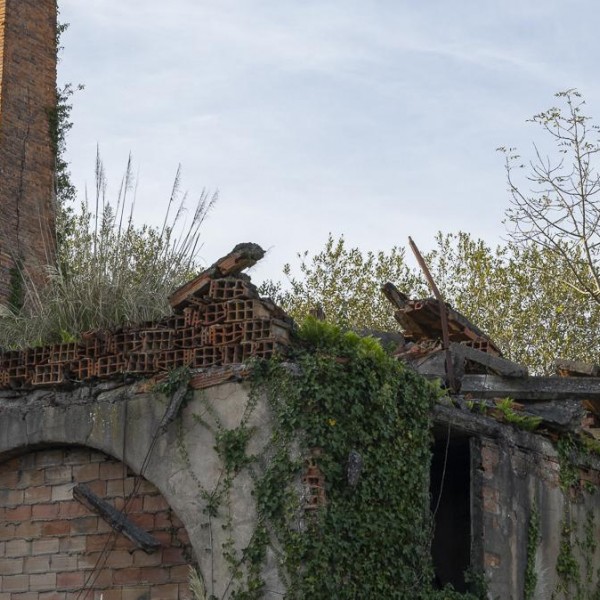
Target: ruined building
<point>27,110</point>
<point>133,454</point>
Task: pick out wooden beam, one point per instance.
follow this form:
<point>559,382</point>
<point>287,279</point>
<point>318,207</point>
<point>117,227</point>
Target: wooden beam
<point>241,257</point>
<point>532,388</point>
<point>116,519</point>
<point>394,295</point>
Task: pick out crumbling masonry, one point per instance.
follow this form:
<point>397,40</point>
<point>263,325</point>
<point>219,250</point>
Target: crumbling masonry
<point>27,159</point>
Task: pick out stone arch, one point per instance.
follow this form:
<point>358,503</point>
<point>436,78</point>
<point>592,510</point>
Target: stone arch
<point>127,422</point>
<point>54,547</point>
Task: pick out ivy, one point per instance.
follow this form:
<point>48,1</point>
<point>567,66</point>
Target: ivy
<point>347,396</point>
<point>533,541</point>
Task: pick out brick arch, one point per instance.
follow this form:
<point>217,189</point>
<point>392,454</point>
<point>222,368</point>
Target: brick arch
<point>50,543</point>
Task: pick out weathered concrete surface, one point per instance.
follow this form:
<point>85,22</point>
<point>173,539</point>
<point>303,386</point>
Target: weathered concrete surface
<point>509,480</point>
<point>124,421</point>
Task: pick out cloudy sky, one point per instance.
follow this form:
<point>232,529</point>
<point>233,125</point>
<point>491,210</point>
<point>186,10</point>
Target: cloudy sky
<point>376,120</point>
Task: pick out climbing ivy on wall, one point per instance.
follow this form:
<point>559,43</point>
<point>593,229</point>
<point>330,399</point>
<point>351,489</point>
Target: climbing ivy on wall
<point>577,576</point>
<point>341,406</point>
<point>365,418</point>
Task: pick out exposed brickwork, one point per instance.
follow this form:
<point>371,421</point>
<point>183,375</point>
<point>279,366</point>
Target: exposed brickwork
<point>50,543</point>
<point>27,95</point>
<point>213,332</point>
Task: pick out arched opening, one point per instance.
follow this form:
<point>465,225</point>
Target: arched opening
<point>54,547</point>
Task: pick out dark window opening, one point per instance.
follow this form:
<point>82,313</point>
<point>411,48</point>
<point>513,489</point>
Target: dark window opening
<point>451,509</point>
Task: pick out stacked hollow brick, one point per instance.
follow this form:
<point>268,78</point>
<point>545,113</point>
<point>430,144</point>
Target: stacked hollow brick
<point>224,323</point>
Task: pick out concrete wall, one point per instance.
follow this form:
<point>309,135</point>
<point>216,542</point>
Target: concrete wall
<point>27,95</point>
<point>513,473</point>
<point>124,422</point>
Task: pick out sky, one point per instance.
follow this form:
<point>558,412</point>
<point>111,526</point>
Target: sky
<point>372,120</point>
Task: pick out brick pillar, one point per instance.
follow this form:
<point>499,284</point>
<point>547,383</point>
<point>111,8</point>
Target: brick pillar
<point>27,98</point>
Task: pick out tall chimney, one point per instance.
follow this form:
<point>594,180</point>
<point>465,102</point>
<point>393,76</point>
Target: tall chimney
<point>27,157</point>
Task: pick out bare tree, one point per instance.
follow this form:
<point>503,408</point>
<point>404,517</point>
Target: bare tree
<point>555,203</point>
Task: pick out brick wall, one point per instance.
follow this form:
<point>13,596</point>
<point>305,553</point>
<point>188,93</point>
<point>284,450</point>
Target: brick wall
<point>27,94</point>
<point>50,543</point>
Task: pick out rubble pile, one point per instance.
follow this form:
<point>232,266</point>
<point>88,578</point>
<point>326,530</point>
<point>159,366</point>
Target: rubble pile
<point>218,320</point>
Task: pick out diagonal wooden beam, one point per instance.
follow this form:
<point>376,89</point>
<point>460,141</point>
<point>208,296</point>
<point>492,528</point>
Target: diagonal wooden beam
<point>116,519</point>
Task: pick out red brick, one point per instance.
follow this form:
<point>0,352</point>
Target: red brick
<point>86,472</point>
<point>179,573</point>
<point>52,596</point>
<point>42,582</point>
<point>15,583</point>
<point>136,593</point>
<point>119,487</point>
<point>17,548</point>
<point>62,492</point>
<point>63,562</point>
<point>144,521</point>
<point>18,514</point>
<point>182,536</point>
<point>28,530</point>
<point>90,560</point>
<point>112,470</point>
<point>7,531</point>
<point>155,504</point>
<point>45,511</point>
<point>98,542</point>
<point>10,497</point>
<point>135,575</point>
<point>108,595</point>
<point>58,474</point>
<point>491,500</point>
<point>98,487</point>
<point>165,592</point>
<point>33,495</point>
<point>48,458</point>
<point>44,546</point>
<point>492,560</point>
<point>76,456</point>
<point>9,477</point>
<point>141,559</point>
<point>56,528</point>
<point>72,508</point>
<point>164,537</point>
<point>119,559</point>
<point>72,544</point>
<point>103,578</point>
<point>69,580</point>
<point>11,566</point>
<point>30,479</point>
<point>134,505</point>
<point>173,556</point>
<point>37,564</point>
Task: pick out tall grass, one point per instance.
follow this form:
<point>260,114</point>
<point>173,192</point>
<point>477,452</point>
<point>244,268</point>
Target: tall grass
<point>109,271</point>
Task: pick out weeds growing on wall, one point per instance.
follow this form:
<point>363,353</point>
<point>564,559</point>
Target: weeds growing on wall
<point>109,271</point>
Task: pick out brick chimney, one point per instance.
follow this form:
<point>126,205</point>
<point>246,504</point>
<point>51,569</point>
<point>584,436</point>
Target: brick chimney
<point>27,99</point>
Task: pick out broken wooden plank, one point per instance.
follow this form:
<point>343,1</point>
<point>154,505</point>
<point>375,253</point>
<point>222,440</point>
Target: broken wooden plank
<point>241,257</point>
<point>116,519</point>
<point>394,295</point>
<point>532,388</point>
<point>174,406</point>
